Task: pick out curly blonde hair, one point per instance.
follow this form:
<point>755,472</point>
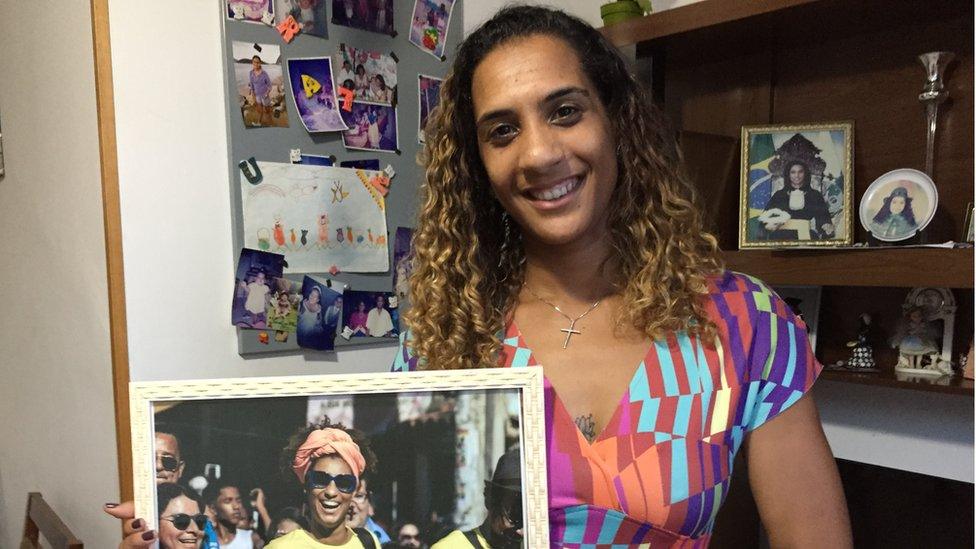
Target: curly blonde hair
<point>467,258</point>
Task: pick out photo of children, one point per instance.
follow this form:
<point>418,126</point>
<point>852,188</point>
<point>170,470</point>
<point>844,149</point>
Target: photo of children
<point>371,75</point>
<point>429,24</point>
<point>253,286</point>
<point>429,96</point>
<point>260,85</point>
<point>282,306</point>
<point>315,100</point>
<point>369,15</point>
<point>249,10</point>
<point>310,14</point>
<point>371,128</point>
<point>318,315</point>
<point>368,314</point>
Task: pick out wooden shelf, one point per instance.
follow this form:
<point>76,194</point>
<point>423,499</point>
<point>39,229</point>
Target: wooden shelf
<point>896,267</point>
<point>703,14</point>
<point>955,385</point>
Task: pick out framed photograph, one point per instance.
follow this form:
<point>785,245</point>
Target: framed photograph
<point>796,185</point>
<point>418,446</point>
<point>804,301</point>
<point>899,204</point>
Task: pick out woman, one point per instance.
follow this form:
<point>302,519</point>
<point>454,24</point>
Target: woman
<point>895,219</point>
<point>181,521</point>
<point>310,315</point>
<point>556,226</point>
<point>378,90</point>
<point>357,320</point>
<point>329,461</point>
<point>361,81</point>
<point>800,201</point>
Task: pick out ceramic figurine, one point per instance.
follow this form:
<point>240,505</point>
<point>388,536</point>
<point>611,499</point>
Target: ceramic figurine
<point>862,355</point>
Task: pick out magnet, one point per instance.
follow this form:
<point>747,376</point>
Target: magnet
<point>251,170</point>
<point>268,18</point>
<point>289,28</point>
<point>295,155</point>
<point>310,85</point>
<point>347,96</point>
<point>263,337</point>
<point>393,301</point>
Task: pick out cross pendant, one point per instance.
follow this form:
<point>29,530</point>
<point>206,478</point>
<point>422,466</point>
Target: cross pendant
<point>569,333</point>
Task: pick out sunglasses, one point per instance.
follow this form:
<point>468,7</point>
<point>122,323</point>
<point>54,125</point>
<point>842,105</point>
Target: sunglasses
<point>182,520</point>
<point>320,479</point>
<point>169,463</point>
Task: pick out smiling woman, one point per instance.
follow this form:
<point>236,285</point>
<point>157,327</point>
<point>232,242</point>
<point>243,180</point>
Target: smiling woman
<point>558,229</point>
<point>330,461</point>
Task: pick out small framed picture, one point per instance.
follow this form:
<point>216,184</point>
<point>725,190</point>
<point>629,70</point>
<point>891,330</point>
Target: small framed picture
<point>796,185</point>
<point>899,204</point>
<point>330,451</point>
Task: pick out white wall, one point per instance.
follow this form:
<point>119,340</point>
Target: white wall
<point>57,420</point>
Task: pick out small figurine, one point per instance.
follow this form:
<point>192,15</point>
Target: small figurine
<point>862,355</point>
<point>916,341</point>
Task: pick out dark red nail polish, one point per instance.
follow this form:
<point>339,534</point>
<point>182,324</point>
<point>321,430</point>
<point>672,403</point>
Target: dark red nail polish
<point>137,524</point>
<point>148,535</point>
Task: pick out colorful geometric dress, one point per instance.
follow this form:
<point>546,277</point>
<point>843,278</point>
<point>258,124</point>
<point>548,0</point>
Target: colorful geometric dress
<point>658,473</point>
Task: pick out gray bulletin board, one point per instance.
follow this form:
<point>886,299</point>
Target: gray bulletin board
<point>274,144</point>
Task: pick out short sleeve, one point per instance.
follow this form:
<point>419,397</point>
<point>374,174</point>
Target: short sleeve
<point>404,361</point>
<point>781,364</point>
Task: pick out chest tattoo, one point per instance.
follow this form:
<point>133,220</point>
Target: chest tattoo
<point>587,426</point>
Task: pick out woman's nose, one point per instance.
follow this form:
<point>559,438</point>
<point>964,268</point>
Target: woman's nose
<point>541,148</point>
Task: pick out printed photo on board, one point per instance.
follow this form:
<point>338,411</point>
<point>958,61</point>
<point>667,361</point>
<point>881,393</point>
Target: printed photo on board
<point>401,261</point>
<point>282,307</point>
<point>370,74</point>
<point>256,270</point>
<point>319,315</point>
<point>310,14</point>
<point>249,10</point>
<point>315,100</point>
<point>371,128</point>
<point>429,96</point>
<point>429,24</point>
<point>260,84</point>
<point>370,15</point>
<point>368,314</point>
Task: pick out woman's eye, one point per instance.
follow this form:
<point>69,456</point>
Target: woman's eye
<point>502,131</point>
<point>565,112</point>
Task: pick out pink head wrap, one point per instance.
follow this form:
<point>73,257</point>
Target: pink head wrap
<point>323,442</point>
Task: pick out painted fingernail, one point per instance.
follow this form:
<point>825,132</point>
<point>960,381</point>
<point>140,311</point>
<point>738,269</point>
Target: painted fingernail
<point>137,524</point>
<point>148,535</point>
<point>111,505</point>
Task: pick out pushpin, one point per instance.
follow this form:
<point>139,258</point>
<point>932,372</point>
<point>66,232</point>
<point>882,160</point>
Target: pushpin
<point>289,28</point>
<point>295,155</point>
<point>347,96</point>
<point>333,270</point>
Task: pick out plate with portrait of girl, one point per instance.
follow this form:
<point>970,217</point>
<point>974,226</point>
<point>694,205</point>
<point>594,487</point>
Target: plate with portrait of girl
<point>899,204</point>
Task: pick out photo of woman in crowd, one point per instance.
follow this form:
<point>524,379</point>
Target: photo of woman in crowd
<point>181,518</point>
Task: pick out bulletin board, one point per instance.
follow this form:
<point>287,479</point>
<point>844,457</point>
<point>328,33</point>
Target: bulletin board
<point>274,144</point>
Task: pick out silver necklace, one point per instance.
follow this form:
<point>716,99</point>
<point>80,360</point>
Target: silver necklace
<point>572,321</point>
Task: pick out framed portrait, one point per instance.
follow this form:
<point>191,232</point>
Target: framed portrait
<point>795,186</point>
<point>465,446</point>
<point>899,204</point>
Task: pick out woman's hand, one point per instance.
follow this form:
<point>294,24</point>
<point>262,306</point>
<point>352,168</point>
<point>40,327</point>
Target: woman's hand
<point>134,532</point>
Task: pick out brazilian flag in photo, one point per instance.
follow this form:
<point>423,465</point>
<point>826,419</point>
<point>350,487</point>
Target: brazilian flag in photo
<point>761,153</point>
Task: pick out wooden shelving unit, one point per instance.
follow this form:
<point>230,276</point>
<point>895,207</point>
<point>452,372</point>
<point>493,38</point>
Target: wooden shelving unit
<point>902,267</point>
<point>717,65</point>
<point>954,385</point>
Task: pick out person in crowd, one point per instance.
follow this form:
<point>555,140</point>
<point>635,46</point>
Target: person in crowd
<point>285,521</point>
<point>330,461</point>
<point>502,527</point>
<point>169,461</point>
<point>557,227</point>
<point>181,520</point>
<point>361,512</point>
<point>223,502</point>
<point>357,320</point>
<point>408,536</point>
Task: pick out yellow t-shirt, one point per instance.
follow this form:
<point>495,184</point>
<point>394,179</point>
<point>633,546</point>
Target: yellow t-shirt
<point>457,540</point>
<point>300,539</point>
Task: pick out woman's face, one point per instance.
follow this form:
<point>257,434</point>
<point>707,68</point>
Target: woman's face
<point>169,535</point>
<point>313,297</point>
<point>329,506</point>
<point>897,204</point>
<point>545,140</point>
<point>361,307</point>
<point>797,174</point>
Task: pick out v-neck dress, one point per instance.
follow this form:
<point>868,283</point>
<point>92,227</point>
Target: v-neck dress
<point>658,473</point>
